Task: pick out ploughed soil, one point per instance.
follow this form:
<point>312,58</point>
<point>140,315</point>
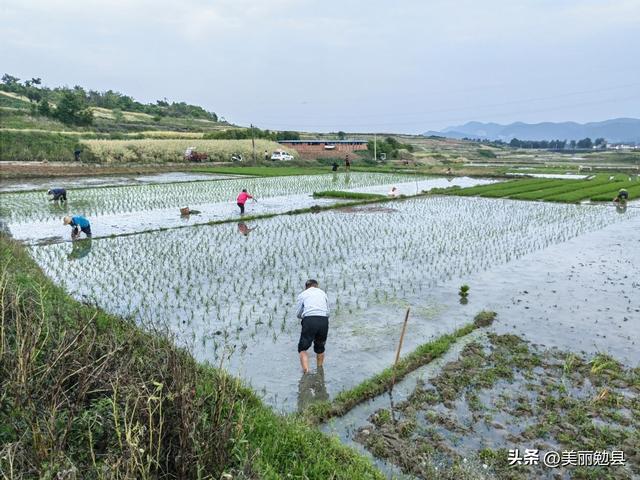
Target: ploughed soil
<point>10,170</point>
<point>502,394</point>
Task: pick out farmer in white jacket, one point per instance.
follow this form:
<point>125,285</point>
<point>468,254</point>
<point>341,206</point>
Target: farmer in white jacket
<point>313,309</point>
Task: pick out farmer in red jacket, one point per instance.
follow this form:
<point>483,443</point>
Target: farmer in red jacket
<point>242,199</point>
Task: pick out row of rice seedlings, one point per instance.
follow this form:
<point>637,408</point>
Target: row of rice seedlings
<point>480,190</point>
<point>569,186</point>
<point>634,193</point>
<point>575,196</point>
<point>215,285</point>
<point>33,206</point>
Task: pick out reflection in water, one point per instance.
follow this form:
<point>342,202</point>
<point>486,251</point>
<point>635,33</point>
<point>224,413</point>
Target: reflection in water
<point>80,249</point>
<point>311,389</point>
<point>58,208</point>
<point>347,178</point>
<point>621,207</point>
<point>334,177</point>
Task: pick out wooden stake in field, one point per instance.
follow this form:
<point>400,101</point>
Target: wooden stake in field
<point>404,329</point>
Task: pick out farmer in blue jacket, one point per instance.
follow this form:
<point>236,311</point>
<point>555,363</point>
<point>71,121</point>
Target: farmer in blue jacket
<point>58,194</point>
<point>78,223</point>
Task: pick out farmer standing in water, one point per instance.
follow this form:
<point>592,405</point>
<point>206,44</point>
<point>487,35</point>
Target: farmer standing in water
<point>242,199</point>
<point>78,223</point>
<point>313,308</point>
<point>622,197</point>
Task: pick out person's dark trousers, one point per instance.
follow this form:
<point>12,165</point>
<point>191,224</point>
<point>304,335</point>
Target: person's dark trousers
<point>314,330</point>
<point>60,196</point>
<point>85,230</point>
<point>241,205</point>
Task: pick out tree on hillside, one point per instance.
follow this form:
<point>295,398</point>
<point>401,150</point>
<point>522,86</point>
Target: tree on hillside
<point>44,108</point>
<point>32,82</point>
<point>10,81</point>
<point>72,109</point>
<point>585,143</point>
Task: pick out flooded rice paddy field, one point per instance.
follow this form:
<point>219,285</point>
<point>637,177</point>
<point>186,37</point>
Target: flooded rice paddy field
<point>118,210</point>
<point>576,308</point>
<point>230,297</point>
<point>106,180</point>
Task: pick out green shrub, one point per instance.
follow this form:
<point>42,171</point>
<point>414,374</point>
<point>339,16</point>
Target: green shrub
<point>486,153</point>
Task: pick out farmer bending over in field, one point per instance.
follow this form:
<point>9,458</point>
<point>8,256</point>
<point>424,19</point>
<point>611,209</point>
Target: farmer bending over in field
<point>78,223</point>
<point>242,199</point>
<point>313,308</point>
<point>57,194</point>
<point>622,197</point>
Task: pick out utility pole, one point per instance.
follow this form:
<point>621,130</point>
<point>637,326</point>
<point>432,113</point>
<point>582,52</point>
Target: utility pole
<point>375,147</point>
<point>253,144</point>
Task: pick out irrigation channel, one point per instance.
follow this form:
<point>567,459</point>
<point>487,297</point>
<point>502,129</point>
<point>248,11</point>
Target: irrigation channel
<point>563,279</point>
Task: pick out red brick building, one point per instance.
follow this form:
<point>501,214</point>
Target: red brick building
<point>324,148</point>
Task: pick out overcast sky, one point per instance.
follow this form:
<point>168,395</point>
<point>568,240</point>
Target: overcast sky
<point>394,66</point>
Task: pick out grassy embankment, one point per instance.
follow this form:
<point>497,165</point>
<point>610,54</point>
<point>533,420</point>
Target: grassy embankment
<point>385,380</point>
<point>602,187</point>
<point>86,393</point>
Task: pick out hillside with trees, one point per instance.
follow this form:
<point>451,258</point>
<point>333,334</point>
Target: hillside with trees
<point>79,99</point>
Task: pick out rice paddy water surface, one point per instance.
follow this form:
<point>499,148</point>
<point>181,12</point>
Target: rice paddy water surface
<point>229,297</point>
<point>117,210</point>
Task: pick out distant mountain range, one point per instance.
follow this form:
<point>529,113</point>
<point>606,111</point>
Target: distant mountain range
<point>617,130</point>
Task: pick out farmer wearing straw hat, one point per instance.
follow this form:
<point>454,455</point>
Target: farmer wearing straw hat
<point>78,224</point>
<point>313,309</point>
<point>623,196</point>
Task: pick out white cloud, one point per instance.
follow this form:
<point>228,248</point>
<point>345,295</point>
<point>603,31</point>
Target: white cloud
<point>260,60</point>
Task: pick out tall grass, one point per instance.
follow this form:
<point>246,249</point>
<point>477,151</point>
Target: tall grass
<point>86,395</point>
<point>160,151</point>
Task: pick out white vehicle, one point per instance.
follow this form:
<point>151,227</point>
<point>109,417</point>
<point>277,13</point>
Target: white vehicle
<point>281,155</point>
